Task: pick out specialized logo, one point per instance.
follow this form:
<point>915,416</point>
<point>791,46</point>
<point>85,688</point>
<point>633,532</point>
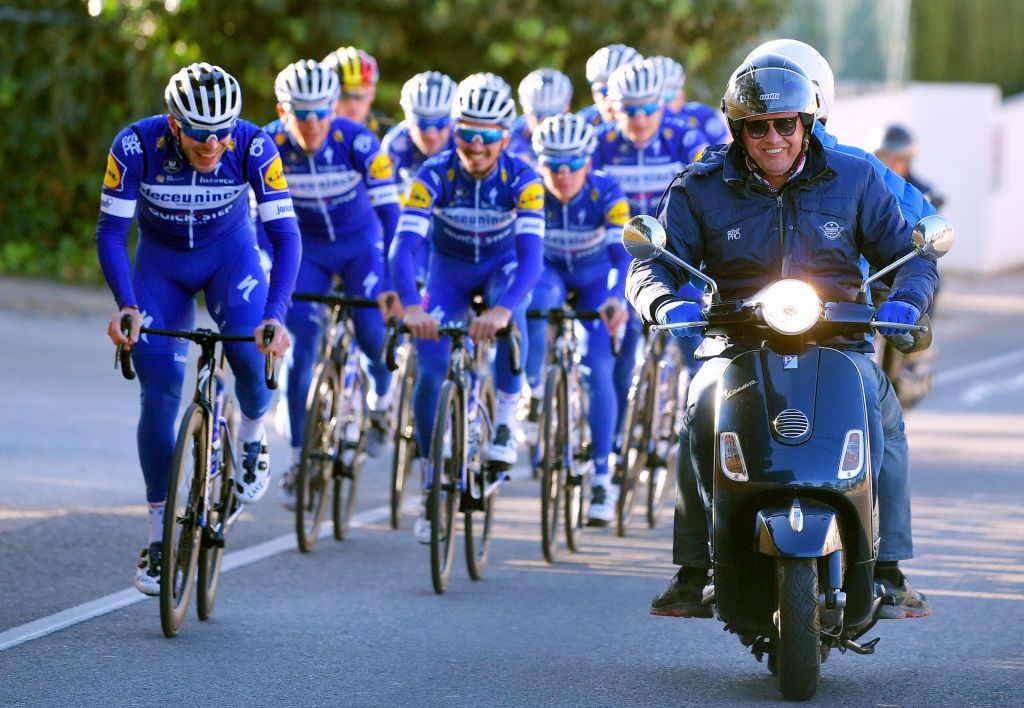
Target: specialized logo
<point>381,167</point>
<point>274,175</point>
<point>618,214</point>
<point>832,230</point>
<point>532,197</point>
<point>247,286</point>
<point>112,178</point>
<point>733,235</point>
<point>370,281</point>
<point>418,196</point>
<point>770,96</point>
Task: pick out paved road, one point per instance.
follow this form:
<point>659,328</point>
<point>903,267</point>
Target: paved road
<point>356,623</point>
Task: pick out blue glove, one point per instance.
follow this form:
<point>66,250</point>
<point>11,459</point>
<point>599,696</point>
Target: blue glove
<point>896,311</point>
<point>683,312</point>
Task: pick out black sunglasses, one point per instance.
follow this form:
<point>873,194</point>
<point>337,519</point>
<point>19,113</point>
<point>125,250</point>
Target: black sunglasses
<point>757,129</point>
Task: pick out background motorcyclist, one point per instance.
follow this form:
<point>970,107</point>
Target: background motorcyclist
<point>751,212</point>
<point>897,149</point>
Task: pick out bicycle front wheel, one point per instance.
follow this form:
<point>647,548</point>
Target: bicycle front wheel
<point>319,448</point>
<point>636,435</point>
<point>222,500</point>
<point>405,433</point>
<point>478,521</point>
<point>354,426</point>
<point>442,500</point>
<point>574,479</point>
<point>555,447</point>
<point>182,516</point>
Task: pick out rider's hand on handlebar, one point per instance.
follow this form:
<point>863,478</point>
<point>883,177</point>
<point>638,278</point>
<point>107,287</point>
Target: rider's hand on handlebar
<point>683,312</point>
<point>114,327</point>
<point>485,326</point>
<point>420,323</point>
<point>279,344</point>
<point>896,311</point>
<point>389,304</point>
<point>614,314</point>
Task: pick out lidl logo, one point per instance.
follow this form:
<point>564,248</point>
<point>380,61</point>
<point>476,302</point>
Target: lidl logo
<point>274,176</point>
<point>418,196</point>
<point>618,214</point>
<point>532,197</point>
<point>381,167</point>
<point>112,179</point>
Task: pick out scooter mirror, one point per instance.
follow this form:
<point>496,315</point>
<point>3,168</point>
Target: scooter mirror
<point>644,237</point>
<point>933,236</point>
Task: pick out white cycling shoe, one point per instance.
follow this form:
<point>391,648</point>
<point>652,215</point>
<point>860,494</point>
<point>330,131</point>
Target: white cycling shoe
<point>253,479</point>
<point>604,497</point>
<point>147,571</point>
<point>503,446</point>
<point>288,480</point>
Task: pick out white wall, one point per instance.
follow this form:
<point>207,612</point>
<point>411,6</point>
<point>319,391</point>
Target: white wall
<point>971,149</point>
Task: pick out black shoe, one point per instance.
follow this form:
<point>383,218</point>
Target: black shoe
<point>684,596</point>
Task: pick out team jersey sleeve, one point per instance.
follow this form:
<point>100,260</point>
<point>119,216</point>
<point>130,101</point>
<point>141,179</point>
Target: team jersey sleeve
<point>529,234</point>
<point>117,209</point>
<point>616,213</point>
<point>274,206</point>
<point>413,227</point>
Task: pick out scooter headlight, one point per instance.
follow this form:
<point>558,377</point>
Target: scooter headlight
<point>790,307</point>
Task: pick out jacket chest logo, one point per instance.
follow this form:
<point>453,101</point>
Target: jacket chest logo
<point>832,230</point>
<point>733,234</point>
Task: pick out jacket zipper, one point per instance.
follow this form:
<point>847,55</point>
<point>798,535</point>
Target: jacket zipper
<point>782,238</point>
<point>319,200</point>
<point>476,210</point>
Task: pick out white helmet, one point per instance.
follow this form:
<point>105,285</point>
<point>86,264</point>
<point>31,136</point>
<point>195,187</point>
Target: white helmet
<point>605,60</point>
<point>812,62</point>
<point>484,101</point>
<point>564,134</point>
<point>673,74</point>
<point>428,94</point>
<point>636,82</point>
<point>488,80</point>
<point>545,91</point>
<point>306,82</point>
<point>204,96</point>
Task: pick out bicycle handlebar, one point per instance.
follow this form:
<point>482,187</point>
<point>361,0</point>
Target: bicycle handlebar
<point>124,356</point>
<point>334,299</point>
<point>511,331</point>
<point>557,315</point>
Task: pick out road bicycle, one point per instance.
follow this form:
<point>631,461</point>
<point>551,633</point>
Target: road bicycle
<point>337,424</point>
<point>201,506</point>
<point>401,359</point>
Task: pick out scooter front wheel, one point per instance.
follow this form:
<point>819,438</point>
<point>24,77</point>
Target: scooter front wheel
<point>798,652</point>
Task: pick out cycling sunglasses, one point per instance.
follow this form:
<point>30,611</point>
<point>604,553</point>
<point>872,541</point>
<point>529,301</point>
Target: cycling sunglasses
<point>437,122</point>
<point>303,114</point>
<point>555,164</point>
<point>648,109</point>
<point>599,88</point>
<point>201,135</point>
<point>487,136</point>
<point>757,129</point>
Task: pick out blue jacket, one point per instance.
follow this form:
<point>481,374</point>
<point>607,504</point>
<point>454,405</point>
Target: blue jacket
<point>815,229</point>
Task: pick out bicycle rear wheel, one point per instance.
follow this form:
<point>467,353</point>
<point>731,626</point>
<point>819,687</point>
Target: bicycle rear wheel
<point>636,432</point>
<point>353,427</point>
<point>222,499</point>
<point>478,522</point>
<point>575,477</point>
<point>446,463</point>
<point>181,520</point>
<point>554,436</point>
<point>319,449</point>
<point>405,433</point>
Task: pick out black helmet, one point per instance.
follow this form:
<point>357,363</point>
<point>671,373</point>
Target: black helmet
<point>897,141</point>
<point>768,83</point>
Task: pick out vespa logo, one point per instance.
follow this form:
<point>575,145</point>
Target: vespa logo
<point>770,96</point>
<point>832,230</point>
<point>730,392</point>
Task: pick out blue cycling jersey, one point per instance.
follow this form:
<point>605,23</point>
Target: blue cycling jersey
<point>479,221</point>
<point>644,173</point>
<point>148,177</point>
<point>588,229</point>
<point>705,118</point>
<point>521,143</point>
<point>408,158</point>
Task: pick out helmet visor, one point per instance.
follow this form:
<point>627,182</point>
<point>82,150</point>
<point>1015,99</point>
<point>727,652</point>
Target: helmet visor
<point>757,91</point>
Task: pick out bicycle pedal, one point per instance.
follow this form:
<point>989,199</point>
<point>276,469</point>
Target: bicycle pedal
<point>213,539</point>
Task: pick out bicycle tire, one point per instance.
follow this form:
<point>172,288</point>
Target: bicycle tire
<point>670,419</point>
<point>317,459</point>
<point>405,433</point>
<point>552,464</point>
<point>181,536</point>
<point>574,481</point>
<point>223,498</point>
<point>478,523</point>
<point>444,483</point>
<point>349,464</point>
<point>636,430</point>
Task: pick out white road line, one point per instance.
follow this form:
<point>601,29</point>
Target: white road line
<point>961,373</point>
<point>105,605</point>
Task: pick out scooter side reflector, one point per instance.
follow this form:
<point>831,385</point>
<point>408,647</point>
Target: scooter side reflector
<point>731,457</point>
<point>852,461</point>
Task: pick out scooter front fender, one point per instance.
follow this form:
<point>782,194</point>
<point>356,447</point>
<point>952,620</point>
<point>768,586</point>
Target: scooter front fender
<point>801,530</point>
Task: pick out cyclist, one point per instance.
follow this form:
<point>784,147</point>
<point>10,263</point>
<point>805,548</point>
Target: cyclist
<point>346,202</point>
<point>482,210</point>
<point>584,212</point>
<point>358,72</point>
<point>643,150</point>
<point>694,114</point>
<point>186,176</point>
<point>543,93</point>
<point>600,66</point>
